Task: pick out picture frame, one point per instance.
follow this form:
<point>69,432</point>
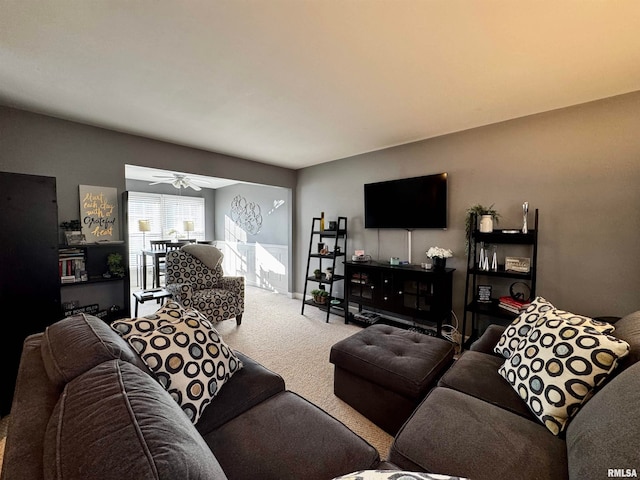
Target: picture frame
<point>75,238</point>
<point>484,294</point>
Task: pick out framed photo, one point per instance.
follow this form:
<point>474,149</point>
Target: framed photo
<point>75,238</point>
<point>484,293</point>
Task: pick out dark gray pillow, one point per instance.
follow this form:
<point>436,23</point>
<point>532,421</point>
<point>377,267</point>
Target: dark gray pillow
<point>628,329</point>
<point>76,344</point>
<point>116,422</point>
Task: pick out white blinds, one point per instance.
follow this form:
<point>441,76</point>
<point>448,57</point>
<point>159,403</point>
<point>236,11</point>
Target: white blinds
<point>165,213</point>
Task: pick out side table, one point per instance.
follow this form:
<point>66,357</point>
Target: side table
<point>144,295</point>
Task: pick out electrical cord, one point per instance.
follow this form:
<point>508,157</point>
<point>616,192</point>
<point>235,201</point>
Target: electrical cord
<point>451,333</point>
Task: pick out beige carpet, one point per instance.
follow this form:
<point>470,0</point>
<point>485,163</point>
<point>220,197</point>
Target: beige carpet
<point>296,346</point>
<point>274,333</point>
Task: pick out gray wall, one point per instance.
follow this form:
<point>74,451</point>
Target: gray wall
<point>80,154</point>
<point>276,227</point>
<point>579,166</point>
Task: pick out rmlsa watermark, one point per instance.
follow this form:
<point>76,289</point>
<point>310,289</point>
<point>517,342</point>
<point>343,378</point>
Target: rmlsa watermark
<point>622,473</point>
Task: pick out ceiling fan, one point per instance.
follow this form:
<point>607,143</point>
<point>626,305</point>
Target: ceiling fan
<point>180,181</point>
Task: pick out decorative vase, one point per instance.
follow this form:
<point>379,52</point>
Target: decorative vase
<point>439,263</point>
<point>486,224</point>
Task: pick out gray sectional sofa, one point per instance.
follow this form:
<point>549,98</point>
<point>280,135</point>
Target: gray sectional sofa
<point>86,406</point>
<point>475,425</point>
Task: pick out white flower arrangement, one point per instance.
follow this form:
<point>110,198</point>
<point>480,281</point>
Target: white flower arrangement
<point>438,252</point>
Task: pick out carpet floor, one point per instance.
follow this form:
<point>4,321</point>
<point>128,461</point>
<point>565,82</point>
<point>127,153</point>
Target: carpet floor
<point>274,333</point>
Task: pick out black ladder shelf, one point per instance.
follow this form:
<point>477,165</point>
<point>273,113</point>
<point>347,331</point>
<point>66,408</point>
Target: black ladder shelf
<point>337,249</point>
<point>476,275</point>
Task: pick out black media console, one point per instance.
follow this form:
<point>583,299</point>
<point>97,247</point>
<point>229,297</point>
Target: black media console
<point>406,291</point>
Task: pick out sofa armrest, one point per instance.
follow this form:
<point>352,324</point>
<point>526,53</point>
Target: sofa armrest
<point>235,284</point>
<point>181,293</point>
<point>488,339</point>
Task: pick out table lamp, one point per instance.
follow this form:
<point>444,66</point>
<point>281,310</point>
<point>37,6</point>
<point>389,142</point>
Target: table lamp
<point>144,226</point>
<point>188,227</point>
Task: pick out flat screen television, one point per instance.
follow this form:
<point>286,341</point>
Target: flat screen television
<point>407,203</point>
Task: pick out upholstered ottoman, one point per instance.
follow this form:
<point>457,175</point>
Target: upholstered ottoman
<point>384,372</point>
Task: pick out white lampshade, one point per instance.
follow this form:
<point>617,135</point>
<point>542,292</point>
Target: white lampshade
<point>188,225</point>
<point>144,225</point>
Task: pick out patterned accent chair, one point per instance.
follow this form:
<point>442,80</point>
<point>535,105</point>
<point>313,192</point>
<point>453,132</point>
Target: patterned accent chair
<point>195,279</point>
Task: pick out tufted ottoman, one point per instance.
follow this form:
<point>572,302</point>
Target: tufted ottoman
<point>384,372</point>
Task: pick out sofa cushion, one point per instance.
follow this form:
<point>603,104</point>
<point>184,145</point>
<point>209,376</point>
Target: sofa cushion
<point>608,428</point>
<point>628,329</point>
<point>287,436</point>
<point>76,344</point>
<point>476,374</point>
<point>556,368</point>
<point>394,475</point>
<point>189,358</point>
<point>115,422</point>
<point>456,434</point>
<point>521,327</point>
<point>251,385</point>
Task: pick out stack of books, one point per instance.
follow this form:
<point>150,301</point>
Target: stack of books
<point>511,305</point>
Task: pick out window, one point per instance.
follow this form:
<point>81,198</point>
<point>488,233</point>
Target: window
<point>166,215</point>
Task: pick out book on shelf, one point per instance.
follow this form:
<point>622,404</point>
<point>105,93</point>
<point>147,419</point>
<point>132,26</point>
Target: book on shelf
<point>512,305</point>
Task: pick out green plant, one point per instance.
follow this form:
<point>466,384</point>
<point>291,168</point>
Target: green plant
<point>474,212</point>
<point>114,264</point>
<point>319,296</point>
<point>317,273</point>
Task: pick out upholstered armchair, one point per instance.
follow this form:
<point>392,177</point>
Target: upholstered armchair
<point>195,279</point>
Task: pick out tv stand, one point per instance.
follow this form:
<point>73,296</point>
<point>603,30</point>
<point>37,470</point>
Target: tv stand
<point>407,291</point>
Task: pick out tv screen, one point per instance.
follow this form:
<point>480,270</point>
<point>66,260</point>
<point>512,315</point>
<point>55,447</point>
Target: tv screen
<point>408,203</point>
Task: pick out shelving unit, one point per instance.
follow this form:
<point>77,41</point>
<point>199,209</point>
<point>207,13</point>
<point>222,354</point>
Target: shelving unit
<point>87,264</point>
<point>527,242</point>
<point>317,260</point>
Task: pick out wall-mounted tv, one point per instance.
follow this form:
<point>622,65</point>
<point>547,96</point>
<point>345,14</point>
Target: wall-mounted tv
<point>408,203</point>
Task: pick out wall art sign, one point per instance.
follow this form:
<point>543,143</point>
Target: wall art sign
<point>99,213</point>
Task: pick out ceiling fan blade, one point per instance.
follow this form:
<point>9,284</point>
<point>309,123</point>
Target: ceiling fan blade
<point>195,187</point>
<point>157,183</point>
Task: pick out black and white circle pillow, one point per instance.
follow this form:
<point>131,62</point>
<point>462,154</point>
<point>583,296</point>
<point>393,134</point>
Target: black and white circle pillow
<point>189,358</point>
<point>535,313</point>
<point>557,367</point>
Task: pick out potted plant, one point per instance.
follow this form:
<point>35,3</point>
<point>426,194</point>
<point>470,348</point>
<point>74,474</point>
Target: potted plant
<point>317,273</point>
<point>320,296</point>
<point>438,256</point>
<point>114,264</point>
<point>478,211</point>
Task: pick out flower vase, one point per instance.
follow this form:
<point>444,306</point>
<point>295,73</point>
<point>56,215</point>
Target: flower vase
<point>439,263</point>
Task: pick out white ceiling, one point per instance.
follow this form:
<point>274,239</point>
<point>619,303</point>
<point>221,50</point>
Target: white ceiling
<point>300,82</point>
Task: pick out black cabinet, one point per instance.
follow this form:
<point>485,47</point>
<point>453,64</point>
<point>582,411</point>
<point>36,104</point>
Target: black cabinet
<point>326,246</point>
<point>407,291</point>
<point>498,278</point>
<point>29,284</point>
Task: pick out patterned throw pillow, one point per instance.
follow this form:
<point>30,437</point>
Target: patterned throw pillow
<point>557,367</point>
<point>394,475</point>
<point>521,327</point>
<point>186,354</point>
<point>170,312</point>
